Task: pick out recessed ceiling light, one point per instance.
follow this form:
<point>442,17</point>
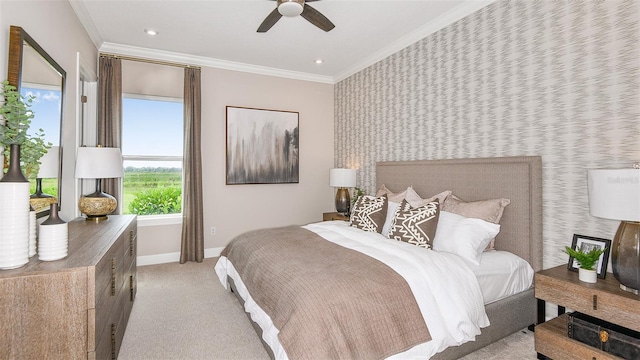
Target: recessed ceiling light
<point>151,32</point>
<point>319,61</point>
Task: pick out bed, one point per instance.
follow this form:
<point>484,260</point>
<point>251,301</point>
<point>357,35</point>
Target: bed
<point>516,178</point>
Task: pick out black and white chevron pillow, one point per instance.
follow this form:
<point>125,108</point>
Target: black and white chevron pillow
<point>416,226</point>
<point>369,213</point>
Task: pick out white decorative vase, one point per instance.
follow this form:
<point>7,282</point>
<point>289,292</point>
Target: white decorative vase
<point>14,215</point>
<point>53,240</point>
<point>588,276</point>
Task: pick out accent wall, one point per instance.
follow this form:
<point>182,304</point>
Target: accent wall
<point>559,79</point>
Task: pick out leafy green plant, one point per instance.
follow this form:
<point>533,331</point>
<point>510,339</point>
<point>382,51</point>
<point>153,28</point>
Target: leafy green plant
<point>16,118</point>
<point>587,260</point>
<point>158,201</point>
<point>357,192</point>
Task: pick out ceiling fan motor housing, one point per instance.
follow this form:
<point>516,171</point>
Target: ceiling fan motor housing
<point>290,7</point>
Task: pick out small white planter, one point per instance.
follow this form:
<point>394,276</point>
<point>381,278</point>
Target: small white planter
<point>588,276</point>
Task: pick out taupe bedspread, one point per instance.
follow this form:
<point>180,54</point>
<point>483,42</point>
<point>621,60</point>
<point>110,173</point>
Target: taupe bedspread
<point>327,301</point>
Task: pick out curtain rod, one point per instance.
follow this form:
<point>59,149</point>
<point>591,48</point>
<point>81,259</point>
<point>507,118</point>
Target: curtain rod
<point>150,61</point>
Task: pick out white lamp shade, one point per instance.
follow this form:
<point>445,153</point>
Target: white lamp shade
<point>99,163</point>
<point>49,164</point>
<point>614,194</point>
<point>342,178</point>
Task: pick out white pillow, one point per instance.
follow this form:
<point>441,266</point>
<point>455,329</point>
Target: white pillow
<point>391,213</point>
<point>465,237</point>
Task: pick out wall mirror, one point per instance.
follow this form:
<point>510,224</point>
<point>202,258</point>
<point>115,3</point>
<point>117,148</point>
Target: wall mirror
<point>35,73</point>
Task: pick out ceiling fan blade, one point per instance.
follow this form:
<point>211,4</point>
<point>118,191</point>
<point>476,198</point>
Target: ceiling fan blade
<point>316,18</point>
<point>269,21</point>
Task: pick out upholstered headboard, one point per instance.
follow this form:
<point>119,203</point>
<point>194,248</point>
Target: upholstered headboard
<point>516,178</point>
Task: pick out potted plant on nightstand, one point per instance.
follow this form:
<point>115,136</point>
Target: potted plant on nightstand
<point>588,260</point>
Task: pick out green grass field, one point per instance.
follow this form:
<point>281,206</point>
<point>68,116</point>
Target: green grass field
<point>138,181</point>
<point>49,186</point>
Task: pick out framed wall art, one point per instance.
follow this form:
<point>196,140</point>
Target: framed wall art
<point>586,244</point>
<point>262,146</point>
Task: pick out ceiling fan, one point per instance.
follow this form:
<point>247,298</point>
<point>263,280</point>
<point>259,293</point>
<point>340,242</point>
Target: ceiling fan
<point>293,8</point>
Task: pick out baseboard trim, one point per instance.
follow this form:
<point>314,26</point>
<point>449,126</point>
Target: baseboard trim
<point>172,257</point>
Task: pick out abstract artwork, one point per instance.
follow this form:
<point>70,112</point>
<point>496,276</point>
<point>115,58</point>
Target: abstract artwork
<point>262,146</point>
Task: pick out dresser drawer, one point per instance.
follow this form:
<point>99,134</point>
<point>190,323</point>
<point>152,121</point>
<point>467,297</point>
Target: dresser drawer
<point>109,344</point>
<point>107,304</point>
<point>130,247</point>
<point>104,273</point>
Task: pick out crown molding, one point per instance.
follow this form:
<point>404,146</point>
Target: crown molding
<point>439,23</point>
<point>180,58</point>
<point>87,22</point>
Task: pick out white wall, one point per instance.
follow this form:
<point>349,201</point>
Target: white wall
<point>231,209</point>
<point>55,27</point>
<point>234,209</point>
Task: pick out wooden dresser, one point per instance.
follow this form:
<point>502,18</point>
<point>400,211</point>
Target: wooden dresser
<point>77,307</point>
<point>604,300</point>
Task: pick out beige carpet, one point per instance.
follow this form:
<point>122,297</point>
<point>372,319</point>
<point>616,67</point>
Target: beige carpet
<point>183,312</point>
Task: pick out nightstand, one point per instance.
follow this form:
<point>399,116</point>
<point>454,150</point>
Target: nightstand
<point>331,216</point>
<point>604,300</point>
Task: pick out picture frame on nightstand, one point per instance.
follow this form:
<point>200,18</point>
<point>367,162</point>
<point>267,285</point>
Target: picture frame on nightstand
<point>588,243</point>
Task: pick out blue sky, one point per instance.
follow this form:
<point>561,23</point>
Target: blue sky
<point>46,110</point>
<point>152,127</point>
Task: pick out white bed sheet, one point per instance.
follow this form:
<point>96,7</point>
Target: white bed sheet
<point>454,314</point>
<point>502,274</point>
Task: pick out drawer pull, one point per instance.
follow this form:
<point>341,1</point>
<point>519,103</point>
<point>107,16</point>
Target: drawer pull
<point>113,276</point>
<point>131,241</point>
<point>113,341</point>
<point>130,287</point>
<point>595,302</point>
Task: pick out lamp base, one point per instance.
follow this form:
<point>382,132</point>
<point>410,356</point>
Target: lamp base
<point>42,203</point>
<point>343,202</point>
<point>625,258</point>
<point>97,206</point>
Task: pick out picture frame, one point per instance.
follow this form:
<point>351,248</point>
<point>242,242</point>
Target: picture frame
<point>262,146</point>
<point>587,243</point>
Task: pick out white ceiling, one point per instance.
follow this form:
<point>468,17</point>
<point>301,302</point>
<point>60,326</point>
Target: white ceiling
<point>222,33</point>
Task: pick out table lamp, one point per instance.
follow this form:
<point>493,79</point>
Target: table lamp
<point>615,194</point>
<point>49,165</point>
<point>342,179</point>
<point>98,163</point>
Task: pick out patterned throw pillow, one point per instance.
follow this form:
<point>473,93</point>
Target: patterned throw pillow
<point>369,212</point>
<point>416,226</point>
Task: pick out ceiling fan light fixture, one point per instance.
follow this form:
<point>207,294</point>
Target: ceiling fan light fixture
<point>290,8</point>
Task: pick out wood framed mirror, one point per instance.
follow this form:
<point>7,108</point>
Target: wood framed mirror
<point>34,72</point>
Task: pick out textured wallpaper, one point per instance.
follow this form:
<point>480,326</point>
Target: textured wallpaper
<point>559,79</point>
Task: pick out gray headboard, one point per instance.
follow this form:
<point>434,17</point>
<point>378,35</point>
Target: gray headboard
<point>516,178</point>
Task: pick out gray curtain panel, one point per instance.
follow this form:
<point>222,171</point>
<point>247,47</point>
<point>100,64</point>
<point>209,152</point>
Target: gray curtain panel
<point>110,115</point>
<point>192,248</point>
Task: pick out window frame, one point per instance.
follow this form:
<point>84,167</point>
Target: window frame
<point>157,219</point>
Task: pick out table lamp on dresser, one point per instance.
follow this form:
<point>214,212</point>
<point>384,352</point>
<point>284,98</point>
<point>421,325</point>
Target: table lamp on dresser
<point>49,165</point>
<point>615,194</point>
<point>98,163</point>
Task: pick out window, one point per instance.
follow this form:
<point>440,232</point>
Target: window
<point>152,144</point>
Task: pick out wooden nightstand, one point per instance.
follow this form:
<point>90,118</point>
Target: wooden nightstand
<point>331,216</point>
<point>604,300</point>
